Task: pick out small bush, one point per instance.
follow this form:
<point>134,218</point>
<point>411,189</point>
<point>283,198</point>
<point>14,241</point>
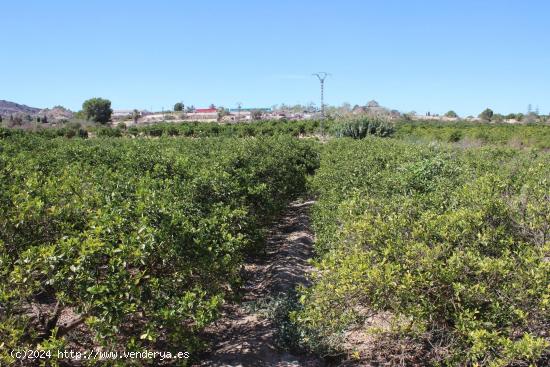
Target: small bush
<point>155,131</point>
<point>455,136</point>
<point>70,133</point>
<point>172,131</point>
<point>133,131</point>
<point>83,133</point>
<point>109,132</point>
<point>281,310</point>
<point>73,125</point>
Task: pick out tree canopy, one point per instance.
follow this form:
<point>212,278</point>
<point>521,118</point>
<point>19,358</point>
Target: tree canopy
<point>487,114</point>
<point>97,110</point>
<point>451,114</point>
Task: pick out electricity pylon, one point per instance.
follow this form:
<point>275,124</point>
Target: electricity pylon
<point>322,76</point>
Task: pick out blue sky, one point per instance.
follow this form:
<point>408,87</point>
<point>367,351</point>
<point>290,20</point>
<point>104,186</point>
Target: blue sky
<point>409,55</point>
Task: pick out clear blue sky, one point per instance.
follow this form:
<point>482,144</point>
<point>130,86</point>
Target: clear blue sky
<point>409,55</point>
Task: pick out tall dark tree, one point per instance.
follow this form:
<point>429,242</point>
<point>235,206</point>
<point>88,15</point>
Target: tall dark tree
<point>486,115</point>
<point>178,107</point>
<point>97,110</point>
<point>451,114</point>
<point>135,116</point>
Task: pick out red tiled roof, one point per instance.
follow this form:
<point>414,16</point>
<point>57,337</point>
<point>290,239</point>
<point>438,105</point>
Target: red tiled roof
<point>206,110</point>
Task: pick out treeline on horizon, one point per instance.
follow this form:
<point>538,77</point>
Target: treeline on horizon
<point>458,132</point>
<point>98,110</point>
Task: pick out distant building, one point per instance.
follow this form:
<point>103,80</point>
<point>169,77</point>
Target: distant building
<point>263,110</point>
<point>203,114</point>
<point>248,114</point>
<point>206,110</point>
<point>123,114</point>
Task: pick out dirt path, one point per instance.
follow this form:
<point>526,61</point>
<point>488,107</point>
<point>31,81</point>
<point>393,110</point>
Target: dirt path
<point>243,337</point>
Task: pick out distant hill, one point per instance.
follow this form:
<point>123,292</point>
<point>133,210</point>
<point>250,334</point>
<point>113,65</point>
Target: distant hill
<point>11,108</point>
<point>57,113</point>
<point>54,114</point>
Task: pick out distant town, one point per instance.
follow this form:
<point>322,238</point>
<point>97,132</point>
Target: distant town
<point>18,115</point>
<point>213,113</point>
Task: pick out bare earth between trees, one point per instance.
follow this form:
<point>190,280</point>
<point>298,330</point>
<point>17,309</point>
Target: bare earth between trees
<point>243,337</point>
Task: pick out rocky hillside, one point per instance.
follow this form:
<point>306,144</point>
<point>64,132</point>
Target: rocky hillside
<point>57,113</point>
<point>54,114</point>
<point>11,108</point>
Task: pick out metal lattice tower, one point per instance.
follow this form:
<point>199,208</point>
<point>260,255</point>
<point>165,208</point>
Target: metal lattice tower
<point>322,76</point>
<point>239,106</point>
